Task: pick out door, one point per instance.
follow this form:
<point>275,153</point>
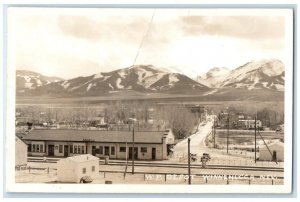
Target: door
<point>66,150</point>
<point>50,150</point>
<point>274,156</point>
<point>153,153</point>
<point>94,150</point>
<point>106,151</point>
<point>135,153</point>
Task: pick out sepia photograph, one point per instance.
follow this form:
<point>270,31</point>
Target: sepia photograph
<point>149,100</point>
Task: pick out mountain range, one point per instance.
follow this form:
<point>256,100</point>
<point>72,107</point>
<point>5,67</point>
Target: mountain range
<point>265,76</point>
<point>31,80</point>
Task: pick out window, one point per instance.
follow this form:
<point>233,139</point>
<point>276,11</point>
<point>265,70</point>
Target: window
<point>33,148</point>
<point>83,170</point>
<point>75,149</point>
<point>82,149</point>
<point>79,149</point>
<point>112,150</point>
<point>93,168</point>
<point>122,149</point>
<point>60,148</point>
<point>101,150</point>
<point>37,148</point>
<point>29,148</point>
<point>41,148</point>
<point>71,149</point>
<point>144,149</point>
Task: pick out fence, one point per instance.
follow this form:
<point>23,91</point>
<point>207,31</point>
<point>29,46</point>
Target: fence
<point>183,158</point>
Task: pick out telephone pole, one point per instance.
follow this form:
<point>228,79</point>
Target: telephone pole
<point>227,131</point>
<point>214,131</point>
<point>189,160</point>
<point>255,139</point>
<point>133,152</point>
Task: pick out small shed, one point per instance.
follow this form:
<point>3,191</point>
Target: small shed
<point>76,168</point>
<point>277,152</point>
<point>20,152</point>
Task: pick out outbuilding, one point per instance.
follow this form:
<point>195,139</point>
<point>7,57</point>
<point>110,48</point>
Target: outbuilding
<point>277,152</point>
<point>75,169</point>
<point>20,152</point>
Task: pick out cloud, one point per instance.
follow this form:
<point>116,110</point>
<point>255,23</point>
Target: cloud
<point>247,27</point>
<point>72,43</point>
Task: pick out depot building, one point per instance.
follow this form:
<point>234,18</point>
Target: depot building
<point>148,145</point>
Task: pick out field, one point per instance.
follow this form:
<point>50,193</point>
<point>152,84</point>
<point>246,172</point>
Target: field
<point>244,139</point>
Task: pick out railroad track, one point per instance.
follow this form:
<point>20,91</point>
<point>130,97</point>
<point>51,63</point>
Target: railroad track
<point>169,165</point>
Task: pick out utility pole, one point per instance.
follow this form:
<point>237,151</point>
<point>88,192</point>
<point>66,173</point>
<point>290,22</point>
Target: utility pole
<point>189,160</point>
<point>227,131</point>
<point>126,154</point>
<point>255,139</point>
<point>214,131</point>
<point>133,152</point>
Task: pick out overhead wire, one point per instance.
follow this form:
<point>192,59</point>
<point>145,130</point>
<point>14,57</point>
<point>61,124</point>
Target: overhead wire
<point>144,37</point>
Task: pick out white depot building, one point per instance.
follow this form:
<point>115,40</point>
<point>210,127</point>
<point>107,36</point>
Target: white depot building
<point>74,169</point>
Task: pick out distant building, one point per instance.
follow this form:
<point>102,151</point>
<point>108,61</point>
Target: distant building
<point>241,117</point>
<point>20,152</point>
<point>76,168</point>
<point>277,152</point>
<point>70,142</point>
<point>170,137</point>
<point>250,124</point>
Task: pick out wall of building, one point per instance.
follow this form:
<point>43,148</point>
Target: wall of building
<point>37,153</point>
<point>88,166</point>
<point>161,149</point>
<point>122,155</point>
<point>71,171</point>
<point>69,144</point>
<point>66,171</point>
<point>264,154</point>
<point>20,152</point>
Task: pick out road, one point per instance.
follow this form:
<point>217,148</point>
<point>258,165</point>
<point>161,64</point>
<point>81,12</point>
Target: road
<point>197,140</point>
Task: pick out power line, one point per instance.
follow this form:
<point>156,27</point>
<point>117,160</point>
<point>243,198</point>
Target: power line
<point>143,39</point>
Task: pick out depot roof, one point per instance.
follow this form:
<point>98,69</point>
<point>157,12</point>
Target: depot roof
<point>75,135</point>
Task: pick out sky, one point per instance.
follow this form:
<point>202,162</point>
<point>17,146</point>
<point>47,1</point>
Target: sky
<point>72,42</point>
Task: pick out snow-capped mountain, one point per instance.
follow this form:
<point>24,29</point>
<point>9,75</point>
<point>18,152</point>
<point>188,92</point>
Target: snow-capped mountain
<point>140,78</point>
<point>30,80</point>
<point>213,76</point>
<point>264,74</point>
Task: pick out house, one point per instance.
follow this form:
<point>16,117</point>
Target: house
<point>250,124</point>
<point>149,145</point>
<point>20,152</point>
<point>170,140</point>
<point>74,169</point>
<point>277,152</point>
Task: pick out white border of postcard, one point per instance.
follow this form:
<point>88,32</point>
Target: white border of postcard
<point>11,186</point>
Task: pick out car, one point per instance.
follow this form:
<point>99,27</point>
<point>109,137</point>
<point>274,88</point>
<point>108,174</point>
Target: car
<point>206,156</point>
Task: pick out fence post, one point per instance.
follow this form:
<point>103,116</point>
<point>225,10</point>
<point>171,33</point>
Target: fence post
<point>104,174</point>
<point>249,181</point>
<point>227,179</point>
<point>29,169</point>
<point>272,182</point>
<point>48,170</point>
<point>206,180</point>
<point>144,177</point>
<point>165,177</point>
